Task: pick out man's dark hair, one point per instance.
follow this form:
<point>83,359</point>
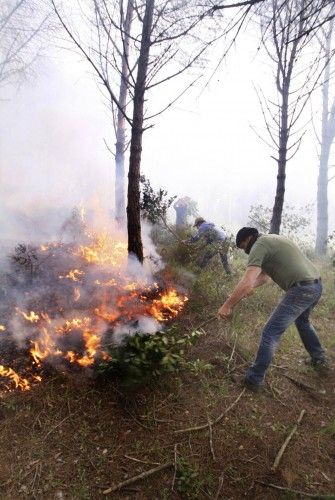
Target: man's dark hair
<point>243,233</point>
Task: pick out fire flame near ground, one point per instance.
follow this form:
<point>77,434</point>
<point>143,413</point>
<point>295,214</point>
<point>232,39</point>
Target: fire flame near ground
<point>83,296</point>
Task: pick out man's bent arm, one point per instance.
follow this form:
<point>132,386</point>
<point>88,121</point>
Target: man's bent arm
<point>261,279</point>
<point>249,281</point>
<point>245,286</point>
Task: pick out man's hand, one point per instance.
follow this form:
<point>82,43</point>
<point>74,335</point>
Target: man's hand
<point>244,288</point>
<point>225,311</point>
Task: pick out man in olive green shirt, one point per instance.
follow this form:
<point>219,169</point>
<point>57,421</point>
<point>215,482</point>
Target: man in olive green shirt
<point>276,257</point>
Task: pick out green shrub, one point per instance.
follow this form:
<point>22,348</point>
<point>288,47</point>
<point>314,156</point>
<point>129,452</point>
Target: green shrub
<point>154,204</point>
<point>186,478</point>
<point>142,356</point>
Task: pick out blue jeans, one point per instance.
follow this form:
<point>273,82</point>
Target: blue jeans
<point>210,253</point>
<point>296,307</point>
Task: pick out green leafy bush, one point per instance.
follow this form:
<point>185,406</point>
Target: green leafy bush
<point>154,204</point>
<point>147,355</point>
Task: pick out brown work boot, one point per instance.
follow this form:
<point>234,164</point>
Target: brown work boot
<point>244,382</point>
<point>251,386</point>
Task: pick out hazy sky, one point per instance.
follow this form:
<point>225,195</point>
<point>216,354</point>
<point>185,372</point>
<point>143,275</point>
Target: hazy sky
<point>53,154</point>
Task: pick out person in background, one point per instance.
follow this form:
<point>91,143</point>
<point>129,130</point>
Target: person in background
<point>278,258</point>
<point>215,243</point>
<point>181,208</point>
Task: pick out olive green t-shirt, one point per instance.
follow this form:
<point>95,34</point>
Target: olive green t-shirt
<point>282,260</point>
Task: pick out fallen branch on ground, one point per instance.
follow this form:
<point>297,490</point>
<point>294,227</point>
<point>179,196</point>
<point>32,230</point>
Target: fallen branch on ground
<point>216,421</point>
<point>312,391</point>
<point>232,353</point>
<point>59,424</point>
<point>204,323</point>
<point>132,480</point>
<point>296,492</point>
<point>218,493</point>
<point>211,437</point>
<point>175,467</point>
<point>286,442</point>
<point>141,461</point>
<point>232,348</point>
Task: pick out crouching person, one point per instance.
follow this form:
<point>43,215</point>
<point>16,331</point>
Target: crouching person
<point>215,241</point>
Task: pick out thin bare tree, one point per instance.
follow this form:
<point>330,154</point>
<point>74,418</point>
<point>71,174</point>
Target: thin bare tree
<point>326,141</point>
<point>165,40</point>
<point>121,124</point>
<point>319,15</point>
<point>133,208</point>
<point>288,41</point>
<point>22,25</point>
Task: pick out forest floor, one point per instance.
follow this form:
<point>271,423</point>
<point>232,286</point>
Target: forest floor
<point>76,438</point>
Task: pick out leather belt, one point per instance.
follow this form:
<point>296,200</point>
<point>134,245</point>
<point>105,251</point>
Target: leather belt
<point>307,282</point>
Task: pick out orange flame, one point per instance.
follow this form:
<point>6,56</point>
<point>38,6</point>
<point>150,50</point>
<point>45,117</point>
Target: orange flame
<point>70,355</point>
<point>104,250</point>
<point>109,316</point>
<point>73,275</point>
<point>19,382</point>
<point>42,348</point>
<point>121,299</point>
<point>111,282</point>
<point>92,344</point>
<point>32,316</point>
<point>168,306</point>
<point>72,324</point>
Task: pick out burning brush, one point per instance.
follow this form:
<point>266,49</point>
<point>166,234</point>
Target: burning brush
<point>67,301</point>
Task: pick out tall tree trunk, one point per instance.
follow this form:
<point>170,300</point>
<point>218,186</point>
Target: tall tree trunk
<point>282,159</point>
<point>133,208</point>
<point>322,198</point>
<point>327,137</point>
<point>286,51</point>
<point>120,146</point>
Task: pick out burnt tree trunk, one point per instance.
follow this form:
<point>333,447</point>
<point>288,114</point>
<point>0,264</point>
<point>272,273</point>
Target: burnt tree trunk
<point>327,138</point>
<point>135,246</point>
<point>120,146</point>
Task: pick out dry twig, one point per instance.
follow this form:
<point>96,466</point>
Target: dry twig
<point>206,322</point>
<point>60,423</point>
<point>132,480</point>
<point>217,420</point>
<point>286,442</point>
<point>303,494</point>
<point>141,461</point>
<point>300,384</point>
<point>211,437</point>
<point>218,493</point>
<point>175,467</point>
